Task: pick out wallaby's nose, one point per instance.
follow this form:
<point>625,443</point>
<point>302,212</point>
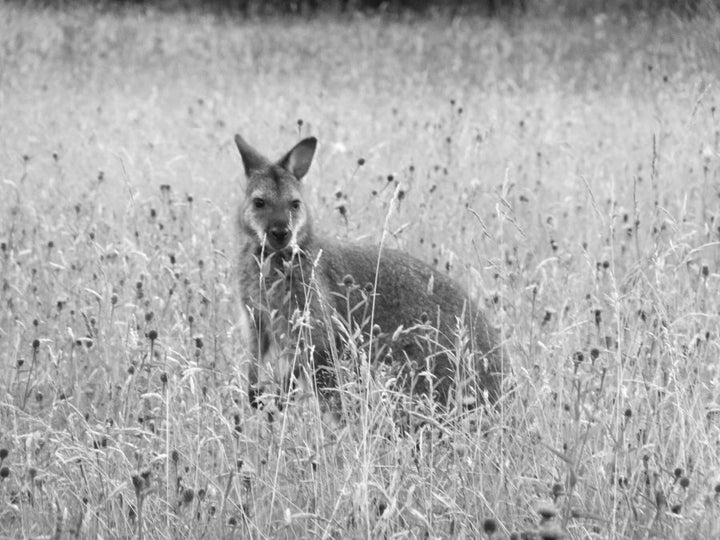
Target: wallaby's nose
<point>279,235</point>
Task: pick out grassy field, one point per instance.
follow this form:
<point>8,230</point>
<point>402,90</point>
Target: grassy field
<point>566,171</point>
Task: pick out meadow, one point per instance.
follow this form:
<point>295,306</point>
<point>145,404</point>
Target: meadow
<point>566,171</point>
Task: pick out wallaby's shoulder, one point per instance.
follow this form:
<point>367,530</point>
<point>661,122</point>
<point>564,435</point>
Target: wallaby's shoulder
<point>393,264</point>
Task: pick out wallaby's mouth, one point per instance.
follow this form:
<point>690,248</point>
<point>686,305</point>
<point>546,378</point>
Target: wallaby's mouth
<point>278,238</point>
<point>273,242</point>
<point>277,245</point>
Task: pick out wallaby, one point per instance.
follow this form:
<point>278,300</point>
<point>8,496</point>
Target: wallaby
<point>309,300</point>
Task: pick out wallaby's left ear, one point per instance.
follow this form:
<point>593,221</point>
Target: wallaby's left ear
<point>297,161</point>
<point>252,159</point>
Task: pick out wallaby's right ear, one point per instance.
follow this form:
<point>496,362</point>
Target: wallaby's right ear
<point>297,161</point>
<point>252,159</point>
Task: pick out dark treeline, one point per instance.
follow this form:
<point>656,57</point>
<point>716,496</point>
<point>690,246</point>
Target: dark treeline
<point>252,8</point>
<point>489,7</point>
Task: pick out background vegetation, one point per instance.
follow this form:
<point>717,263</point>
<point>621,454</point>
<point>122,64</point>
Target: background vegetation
<point>565,170</point>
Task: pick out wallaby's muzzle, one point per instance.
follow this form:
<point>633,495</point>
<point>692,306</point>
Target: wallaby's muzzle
<point>279,236</point>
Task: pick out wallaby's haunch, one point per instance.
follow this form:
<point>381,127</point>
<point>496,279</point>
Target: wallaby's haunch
<point>310,301</point>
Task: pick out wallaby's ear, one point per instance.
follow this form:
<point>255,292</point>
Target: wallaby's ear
<point>252,159</point>
<point>297,161</point>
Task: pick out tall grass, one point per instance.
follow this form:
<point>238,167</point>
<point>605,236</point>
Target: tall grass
<point>565,171</point>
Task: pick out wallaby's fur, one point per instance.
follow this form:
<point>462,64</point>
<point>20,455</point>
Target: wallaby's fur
<point>308,296</point>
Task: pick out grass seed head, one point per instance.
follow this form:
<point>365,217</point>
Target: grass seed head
<point>489,526</point>
<point>137,483</point>
<point>547,511</point>
<point>381,507</point>
<point>145,475</point>
<point>4,452</point>
<point>551,533</point>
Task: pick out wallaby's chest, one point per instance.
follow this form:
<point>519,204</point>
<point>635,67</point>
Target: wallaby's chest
<point>276,282</point>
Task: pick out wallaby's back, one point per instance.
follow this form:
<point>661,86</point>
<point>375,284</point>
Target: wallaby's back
<point>413,294</point>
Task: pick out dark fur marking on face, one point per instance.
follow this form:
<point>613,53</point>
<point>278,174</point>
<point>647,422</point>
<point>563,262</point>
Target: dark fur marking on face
<point>277,173</point>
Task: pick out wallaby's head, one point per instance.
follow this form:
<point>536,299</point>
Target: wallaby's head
<point>274,212</point>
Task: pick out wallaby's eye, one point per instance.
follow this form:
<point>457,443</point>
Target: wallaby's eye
<point>295,204</point>
<point>259,203</point>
